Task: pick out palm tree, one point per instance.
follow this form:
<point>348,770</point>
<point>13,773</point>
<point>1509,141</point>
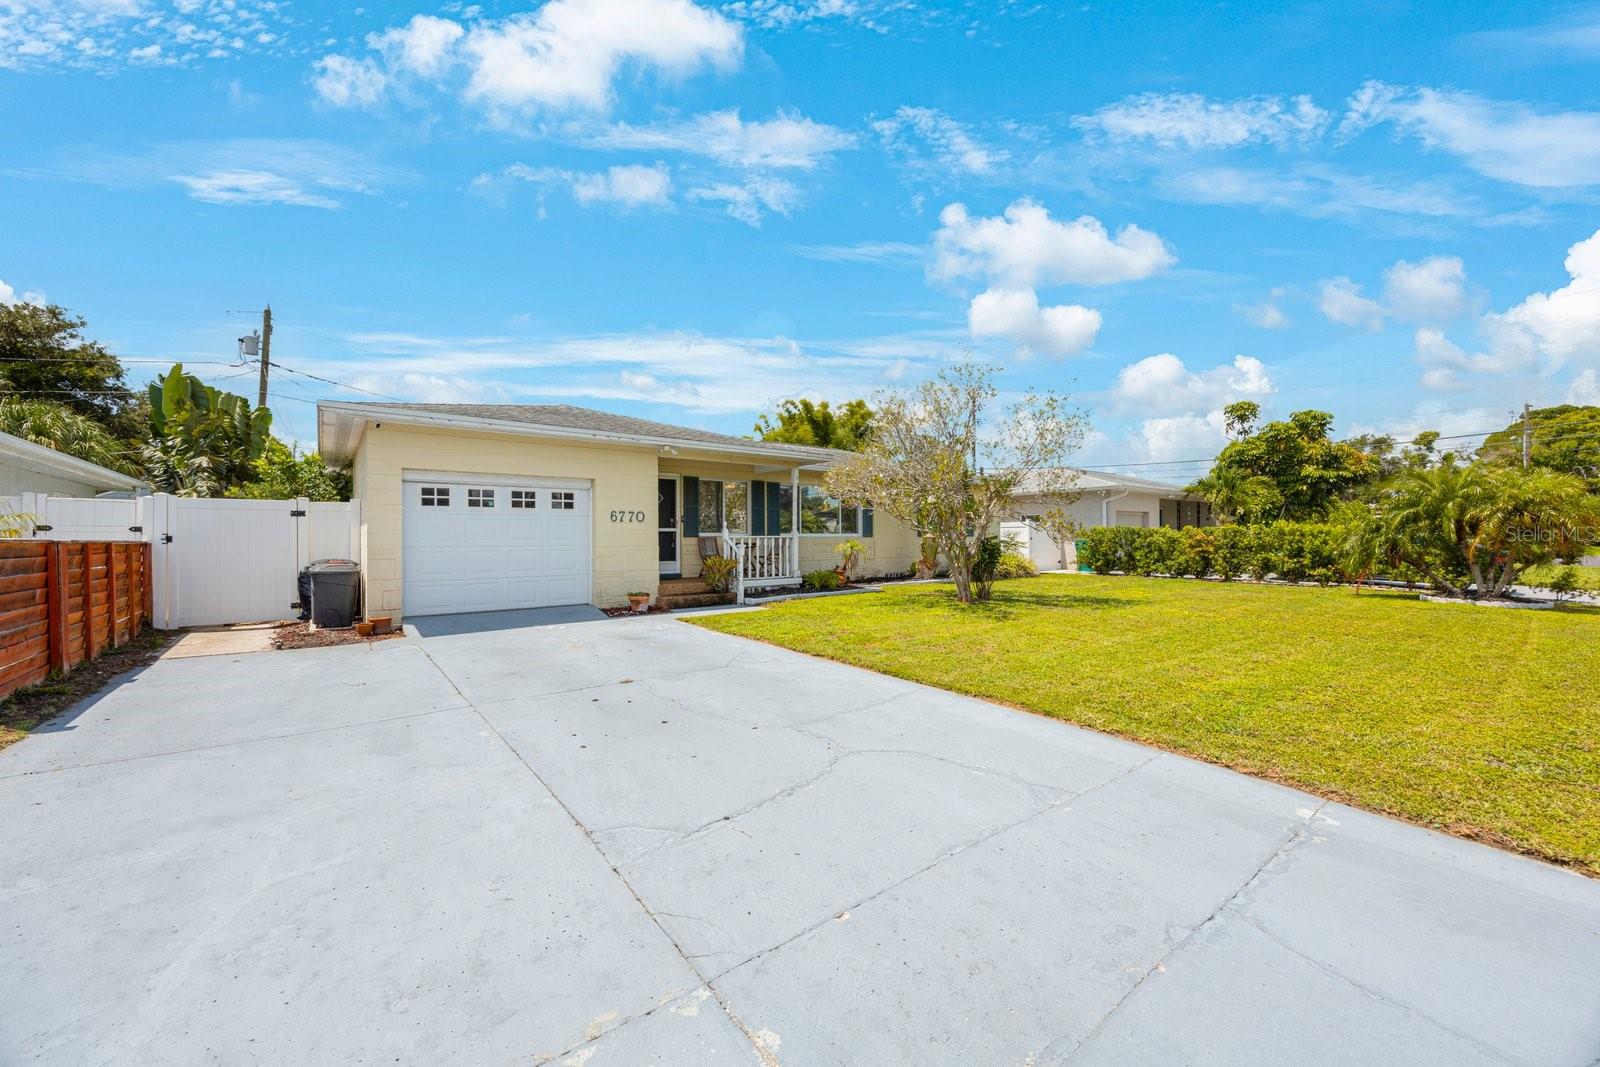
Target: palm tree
<point>1236,496</point>
<point>1472,529</point>
<point>54,426</point>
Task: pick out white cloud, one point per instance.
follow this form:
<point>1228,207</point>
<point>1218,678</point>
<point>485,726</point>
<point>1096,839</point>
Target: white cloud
<point>1026,247</point>
<point>1183,436</point>
<point>1585,388</point>
<point>1163,385</point>
<point>1318,191</point>
<point>568,54</point>
<point>8,295</point>
<point>1193,121</point>
<point>565,55</point>
<point>109,35</point>
<point>1507,141</point>
<point>863,252</point>
<point>233,188</point>
<point>1015,314</point>
<point>686,369</point>
<point>1558,326</point>
<point>425,46</point>
<point>630,186</point>
<point>1267,314</point>
<point>751,199</point>
<point>783,14</point>
<point>1433,290</point>
<point>924,136</point>
<point>787,140</point>
<point>346,82</point>
<point>1341,301</point>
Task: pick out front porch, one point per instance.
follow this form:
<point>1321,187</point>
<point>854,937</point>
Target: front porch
<point>755,515</point>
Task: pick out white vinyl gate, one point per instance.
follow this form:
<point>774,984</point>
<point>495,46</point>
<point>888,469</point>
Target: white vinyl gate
<point>213,561</point>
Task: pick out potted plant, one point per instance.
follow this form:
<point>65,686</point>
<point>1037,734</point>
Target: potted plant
<point>850,553</point>
<point>717,572</point>
<point>639,602</point>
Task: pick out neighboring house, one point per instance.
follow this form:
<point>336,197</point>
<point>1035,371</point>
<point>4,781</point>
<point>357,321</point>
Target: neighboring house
<point>478,507</point>
<point>29,468</point>
<point>1103,500</point>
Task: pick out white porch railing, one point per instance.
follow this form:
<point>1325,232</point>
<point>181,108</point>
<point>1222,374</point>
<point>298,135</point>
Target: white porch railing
<point>767,560</point>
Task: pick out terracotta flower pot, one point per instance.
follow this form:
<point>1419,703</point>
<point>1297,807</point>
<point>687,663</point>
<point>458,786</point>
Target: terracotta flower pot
<point>382,624</point>
<point>364,629</point>
<point>640,604</point>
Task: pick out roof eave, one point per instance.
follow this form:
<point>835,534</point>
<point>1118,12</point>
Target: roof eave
<point>45,460</point>
<point>337,438</point>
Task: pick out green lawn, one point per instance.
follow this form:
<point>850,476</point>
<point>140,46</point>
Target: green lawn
<point>1481,721</point>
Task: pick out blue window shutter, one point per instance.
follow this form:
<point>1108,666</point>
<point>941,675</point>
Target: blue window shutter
<point>774,517</point>
<point>866,522</point>
<point>758,508</point>
<point>691,507</point>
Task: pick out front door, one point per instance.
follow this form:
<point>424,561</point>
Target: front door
<point>667,524</point>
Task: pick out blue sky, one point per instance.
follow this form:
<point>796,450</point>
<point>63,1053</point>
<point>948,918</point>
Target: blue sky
<point>689,212</point>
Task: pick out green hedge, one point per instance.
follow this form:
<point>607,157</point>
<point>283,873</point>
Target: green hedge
<point>1293,551</point>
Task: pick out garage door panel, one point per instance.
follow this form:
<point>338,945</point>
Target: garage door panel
<point>486,558</point>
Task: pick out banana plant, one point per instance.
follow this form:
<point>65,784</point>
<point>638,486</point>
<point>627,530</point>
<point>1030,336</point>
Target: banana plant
<point>203,441</point>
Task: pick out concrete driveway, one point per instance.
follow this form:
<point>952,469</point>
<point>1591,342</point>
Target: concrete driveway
<point>635,842</point>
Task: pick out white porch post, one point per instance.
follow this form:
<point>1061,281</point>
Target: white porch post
<point>794,520</point>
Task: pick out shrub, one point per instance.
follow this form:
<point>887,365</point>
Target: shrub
<point>1293,551</point>
<point>1014,564</point>
<point>850,553</point>
<point>985,560</point>
<point>717,572</point>
<point>821,581</point>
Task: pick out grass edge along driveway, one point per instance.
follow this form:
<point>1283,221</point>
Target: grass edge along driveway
<point>1482,722</point>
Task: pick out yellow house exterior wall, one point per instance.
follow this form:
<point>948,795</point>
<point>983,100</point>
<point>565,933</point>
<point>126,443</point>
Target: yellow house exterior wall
<point>623,480</point>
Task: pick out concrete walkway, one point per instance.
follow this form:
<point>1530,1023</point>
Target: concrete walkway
<point>633,841</point>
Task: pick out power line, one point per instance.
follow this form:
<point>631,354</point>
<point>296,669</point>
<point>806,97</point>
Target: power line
<point>341,385</point>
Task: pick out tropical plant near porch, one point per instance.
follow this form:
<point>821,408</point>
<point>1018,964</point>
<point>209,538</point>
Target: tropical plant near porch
<point>717,572</point>
<point>1472,530</point>
<point>944,461</point>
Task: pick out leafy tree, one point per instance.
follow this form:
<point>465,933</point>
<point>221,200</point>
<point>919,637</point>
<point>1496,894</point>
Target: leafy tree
<point>44,356</point>
<point>1566,438</point>
<point>202,441</point>
<point>59,427</point>
<point>1476,525</point>
<point>282,475</point>
<point>940,459</point>
<point>1305,467</point>
<point>1392,458</point>
<point>800,422</point>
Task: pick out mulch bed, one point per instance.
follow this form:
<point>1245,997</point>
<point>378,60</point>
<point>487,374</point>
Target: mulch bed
<point>623,613</point>
<point>300,635</point>
<point>25,709</point>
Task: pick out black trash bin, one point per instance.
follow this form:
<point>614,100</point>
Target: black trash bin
<point>330,589</point>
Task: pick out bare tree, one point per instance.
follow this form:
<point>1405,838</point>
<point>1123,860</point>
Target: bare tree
<point>943,460</point>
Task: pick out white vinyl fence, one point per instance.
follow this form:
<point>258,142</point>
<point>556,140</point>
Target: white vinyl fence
<point>214,561</point>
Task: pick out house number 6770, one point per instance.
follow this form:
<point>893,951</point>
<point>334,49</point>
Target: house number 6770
<point>627,516</point>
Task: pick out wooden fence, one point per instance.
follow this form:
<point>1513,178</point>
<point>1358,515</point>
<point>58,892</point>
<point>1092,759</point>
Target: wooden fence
<point>65,602</point>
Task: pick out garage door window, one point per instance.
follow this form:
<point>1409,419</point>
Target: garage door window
<point>560,501</point>
<point>523,499</point>
<point>435,496</point>
<point>480,498</point>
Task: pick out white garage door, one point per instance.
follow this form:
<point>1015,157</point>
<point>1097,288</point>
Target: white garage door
<point>490,544</point>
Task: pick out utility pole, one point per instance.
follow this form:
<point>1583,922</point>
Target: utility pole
<point>266,353</point>
<point>1527,437</point>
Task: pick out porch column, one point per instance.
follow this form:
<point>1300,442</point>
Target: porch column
<point>794,520</point>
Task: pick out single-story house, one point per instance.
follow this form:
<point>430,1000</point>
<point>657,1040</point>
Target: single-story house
<point>26,467</point>
<point>479,507</point>
<point>1103,500</point>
